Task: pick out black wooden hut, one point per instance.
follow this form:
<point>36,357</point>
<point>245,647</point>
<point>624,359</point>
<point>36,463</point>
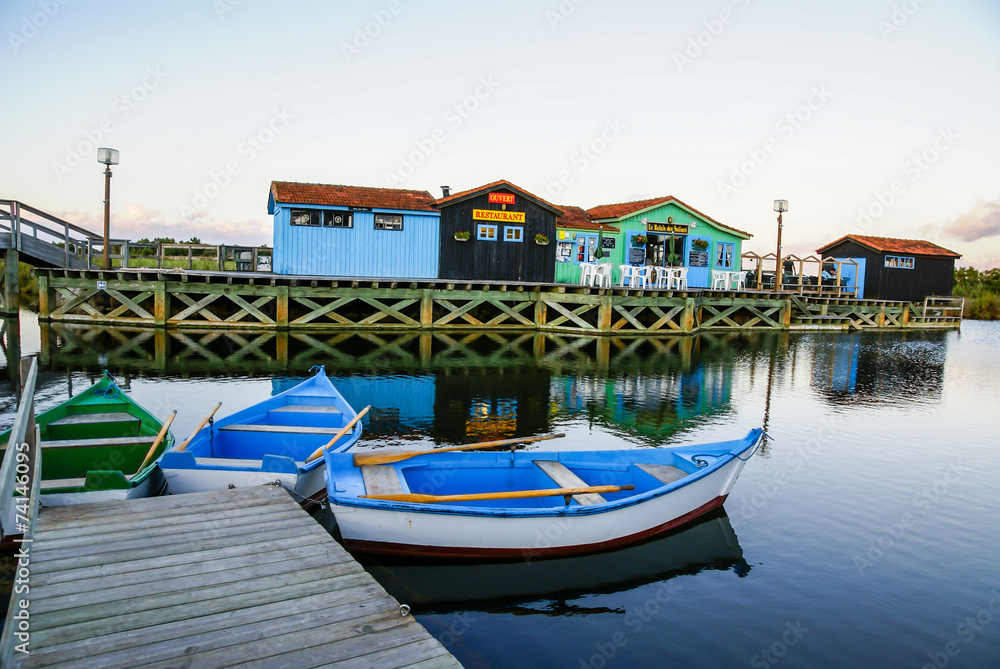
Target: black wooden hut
<point>896,269</point>
<point>501,221</point>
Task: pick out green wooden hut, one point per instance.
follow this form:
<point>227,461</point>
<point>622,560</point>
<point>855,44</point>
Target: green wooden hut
<point>578,237</point>
<point>666,232</point>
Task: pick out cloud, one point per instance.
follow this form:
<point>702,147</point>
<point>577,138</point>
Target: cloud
<point>136,222</point>
<point>983,220</point>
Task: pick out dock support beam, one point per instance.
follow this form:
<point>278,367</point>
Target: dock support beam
<point>11,291</point>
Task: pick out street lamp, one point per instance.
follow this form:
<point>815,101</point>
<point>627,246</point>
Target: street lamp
<point>780,206</point>
<point>107,157</point>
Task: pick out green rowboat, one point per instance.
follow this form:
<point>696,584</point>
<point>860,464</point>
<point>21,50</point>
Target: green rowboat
<point>93,446</point>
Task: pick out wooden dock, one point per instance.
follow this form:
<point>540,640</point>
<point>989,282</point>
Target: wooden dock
<point>237,577</point>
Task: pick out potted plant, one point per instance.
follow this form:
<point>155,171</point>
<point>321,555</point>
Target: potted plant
<point>462,236</point>
<point>541,239</point>
<point>639,240</point>
<point>700,244</point>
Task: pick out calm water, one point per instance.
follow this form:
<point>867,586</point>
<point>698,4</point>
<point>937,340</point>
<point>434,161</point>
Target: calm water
<point>865,534</point>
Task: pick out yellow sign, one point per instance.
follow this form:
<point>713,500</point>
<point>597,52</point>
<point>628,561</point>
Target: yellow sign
<point>501,216</point>
<point>667,228</point>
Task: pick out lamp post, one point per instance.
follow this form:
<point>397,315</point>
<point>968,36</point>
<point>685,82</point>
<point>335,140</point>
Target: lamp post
<point>107,157</point>
<point>780,206</point>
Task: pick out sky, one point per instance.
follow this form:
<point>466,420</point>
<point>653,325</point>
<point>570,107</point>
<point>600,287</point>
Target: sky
<point>869,116</point>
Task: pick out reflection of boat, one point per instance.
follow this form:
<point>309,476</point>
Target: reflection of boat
<point>527,504</point>
<point>707,543</point>
<point>97,445</point>
<point>267,442</point>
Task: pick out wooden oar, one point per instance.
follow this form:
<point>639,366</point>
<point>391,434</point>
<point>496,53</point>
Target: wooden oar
<point>344,430</point>
<point>184,444</point>
<point>396,456</point>
<point>159,437</point>
<point>512,494</point>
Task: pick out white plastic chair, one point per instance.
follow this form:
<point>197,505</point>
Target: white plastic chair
<point>587,273</point>
<point>625,272</point>
<point>661,276</point>
<point>718,280</point>
<point>602,274</point>
<point>739,280</point>
<point>679,280</point>
<point>641,275</point>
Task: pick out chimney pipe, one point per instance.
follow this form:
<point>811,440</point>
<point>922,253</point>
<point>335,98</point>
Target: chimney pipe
<point>446,190</point>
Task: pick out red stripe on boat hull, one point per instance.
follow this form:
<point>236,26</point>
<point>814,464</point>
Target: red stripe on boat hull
<point>526,553</point>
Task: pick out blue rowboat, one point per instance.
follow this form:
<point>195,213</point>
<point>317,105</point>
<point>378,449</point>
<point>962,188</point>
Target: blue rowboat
<point>526,505</point>
<point>266,443</point>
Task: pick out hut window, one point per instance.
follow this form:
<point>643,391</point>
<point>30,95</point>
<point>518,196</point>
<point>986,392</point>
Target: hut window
<point>338,219</point>
<point>513,233</point>
<point>305,217</point>
<point>388,221</point>
<point>486,232</point>
<point>724,255</point>
<point>899,262</point>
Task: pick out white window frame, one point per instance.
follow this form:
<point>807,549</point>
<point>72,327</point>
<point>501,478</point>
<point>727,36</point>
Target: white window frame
<point>486,232</point>
<point>348,218</point>
<point>314,218</point>
<point>900,262</point>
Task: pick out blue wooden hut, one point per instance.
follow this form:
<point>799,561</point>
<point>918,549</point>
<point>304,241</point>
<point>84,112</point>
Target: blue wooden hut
<point>354,231</point>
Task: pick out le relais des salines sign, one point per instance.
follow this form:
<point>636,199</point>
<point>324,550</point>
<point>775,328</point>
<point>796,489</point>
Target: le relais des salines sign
<point>668,228</point>
<point>501,216</point>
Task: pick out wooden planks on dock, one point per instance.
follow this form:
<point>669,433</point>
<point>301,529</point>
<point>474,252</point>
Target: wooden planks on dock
<point>237,577</point>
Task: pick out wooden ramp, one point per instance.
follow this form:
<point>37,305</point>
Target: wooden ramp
<point>237,577</point>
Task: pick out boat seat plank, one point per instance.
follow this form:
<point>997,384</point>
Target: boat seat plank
<point>101,441</point>
<point>96,418</point>
<point>381,480</point>
<point>293,429</point>
<point>562,475</point>
<point>309,408</point>
<point>663,473</point>
<point>48,484</point>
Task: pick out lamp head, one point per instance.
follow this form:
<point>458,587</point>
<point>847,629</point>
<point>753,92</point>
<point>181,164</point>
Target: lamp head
<point>107,156</point>
<point>780,205</point>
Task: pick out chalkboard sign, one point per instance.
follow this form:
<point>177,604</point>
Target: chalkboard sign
<point>698,259</point>
<point>637,256</point>
<point>607,242</point>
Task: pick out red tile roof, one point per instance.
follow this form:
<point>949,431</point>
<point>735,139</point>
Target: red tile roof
<point>290,192</point>
<point>579,219</point>
<point>624,209</point>
<point>917,247</point>
<point>496,185</point>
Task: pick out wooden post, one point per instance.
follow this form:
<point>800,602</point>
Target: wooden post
<point>11,291</point>
<point>881,316</point>
<point>281,308</point>
<point>786,314</point>
<point>12,350</point>
<point>604,313</point>
<point>904,318</point>
<point>161,303</point>
<point>46,296</point>
<point>426,308</point>
<point>540,309</point>
<point>687,317</point>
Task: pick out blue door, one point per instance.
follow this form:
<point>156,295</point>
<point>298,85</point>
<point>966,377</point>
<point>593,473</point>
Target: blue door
<point>852,276</point>
<point>698,261</point>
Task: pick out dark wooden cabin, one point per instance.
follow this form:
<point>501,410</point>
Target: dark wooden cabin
<point>896,269</point>
<point>502,221</point>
